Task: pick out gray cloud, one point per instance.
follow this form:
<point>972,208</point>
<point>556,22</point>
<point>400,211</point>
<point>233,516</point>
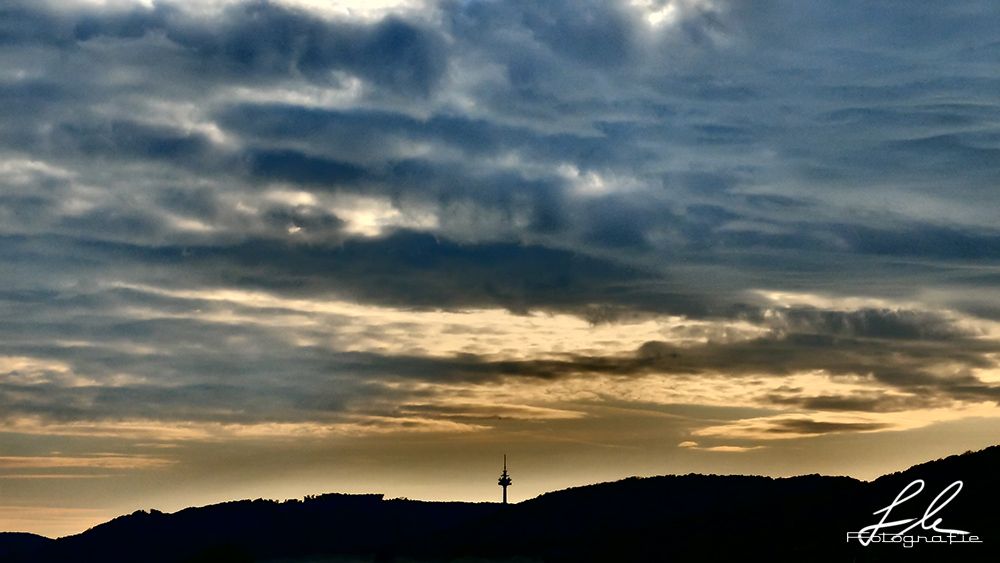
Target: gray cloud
<point>862,402</point>
<point>255,40</point>
<point>182,364</point>
<point>560,157</point>
<point>805,426</point>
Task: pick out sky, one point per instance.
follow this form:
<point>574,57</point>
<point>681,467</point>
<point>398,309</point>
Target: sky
<point>276,248</point>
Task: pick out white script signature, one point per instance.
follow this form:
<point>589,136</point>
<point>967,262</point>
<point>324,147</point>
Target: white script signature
<point>874,532</point>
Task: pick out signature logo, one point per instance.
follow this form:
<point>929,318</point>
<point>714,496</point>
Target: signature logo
<point>876,533</point>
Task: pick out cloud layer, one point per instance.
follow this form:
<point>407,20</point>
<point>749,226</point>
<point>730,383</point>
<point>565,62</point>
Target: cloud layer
<point>254,220</point>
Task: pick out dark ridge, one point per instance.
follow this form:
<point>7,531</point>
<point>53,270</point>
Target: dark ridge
<point>16,546</point>
<point>669,518</point>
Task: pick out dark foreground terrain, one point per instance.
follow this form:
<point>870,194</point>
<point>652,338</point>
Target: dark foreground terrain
<point>671,518</point>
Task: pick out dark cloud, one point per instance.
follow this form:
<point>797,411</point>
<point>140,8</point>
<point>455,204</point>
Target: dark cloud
<point>405,268</point>
<point>130,139</point>
<point>806,426</point>
<point>861,402</point>
<point>924,240</point>
<point>869,323</point>
<point>302,169</point>
<point>558,157</point>
<point>255,39</point>
<point>227,373</point>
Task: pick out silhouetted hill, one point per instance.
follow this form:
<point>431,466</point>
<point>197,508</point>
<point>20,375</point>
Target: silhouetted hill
<point>670,518</point>
<point>17,545</point>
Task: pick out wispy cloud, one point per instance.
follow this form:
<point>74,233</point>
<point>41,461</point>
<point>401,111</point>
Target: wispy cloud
<point>97,461</point>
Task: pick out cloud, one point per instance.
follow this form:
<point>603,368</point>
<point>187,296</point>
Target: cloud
<point>688,444</point>
<point>732,449</point>
<point>789,427</point>
<point>870,402</point>
<point>102,461</point>
<point>255,40</point>
<point>803,426</point>
<point>243,358</point>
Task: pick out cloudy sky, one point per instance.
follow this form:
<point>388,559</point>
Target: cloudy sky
<point>274,248</point>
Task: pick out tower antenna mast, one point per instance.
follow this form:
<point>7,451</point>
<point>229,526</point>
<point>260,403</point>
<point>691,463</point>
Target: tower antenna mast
<point>504,480</point>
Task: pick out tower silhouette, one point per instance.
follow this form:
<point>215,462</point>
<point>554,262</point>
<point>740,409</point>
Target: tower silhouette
<point>504,480</point>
